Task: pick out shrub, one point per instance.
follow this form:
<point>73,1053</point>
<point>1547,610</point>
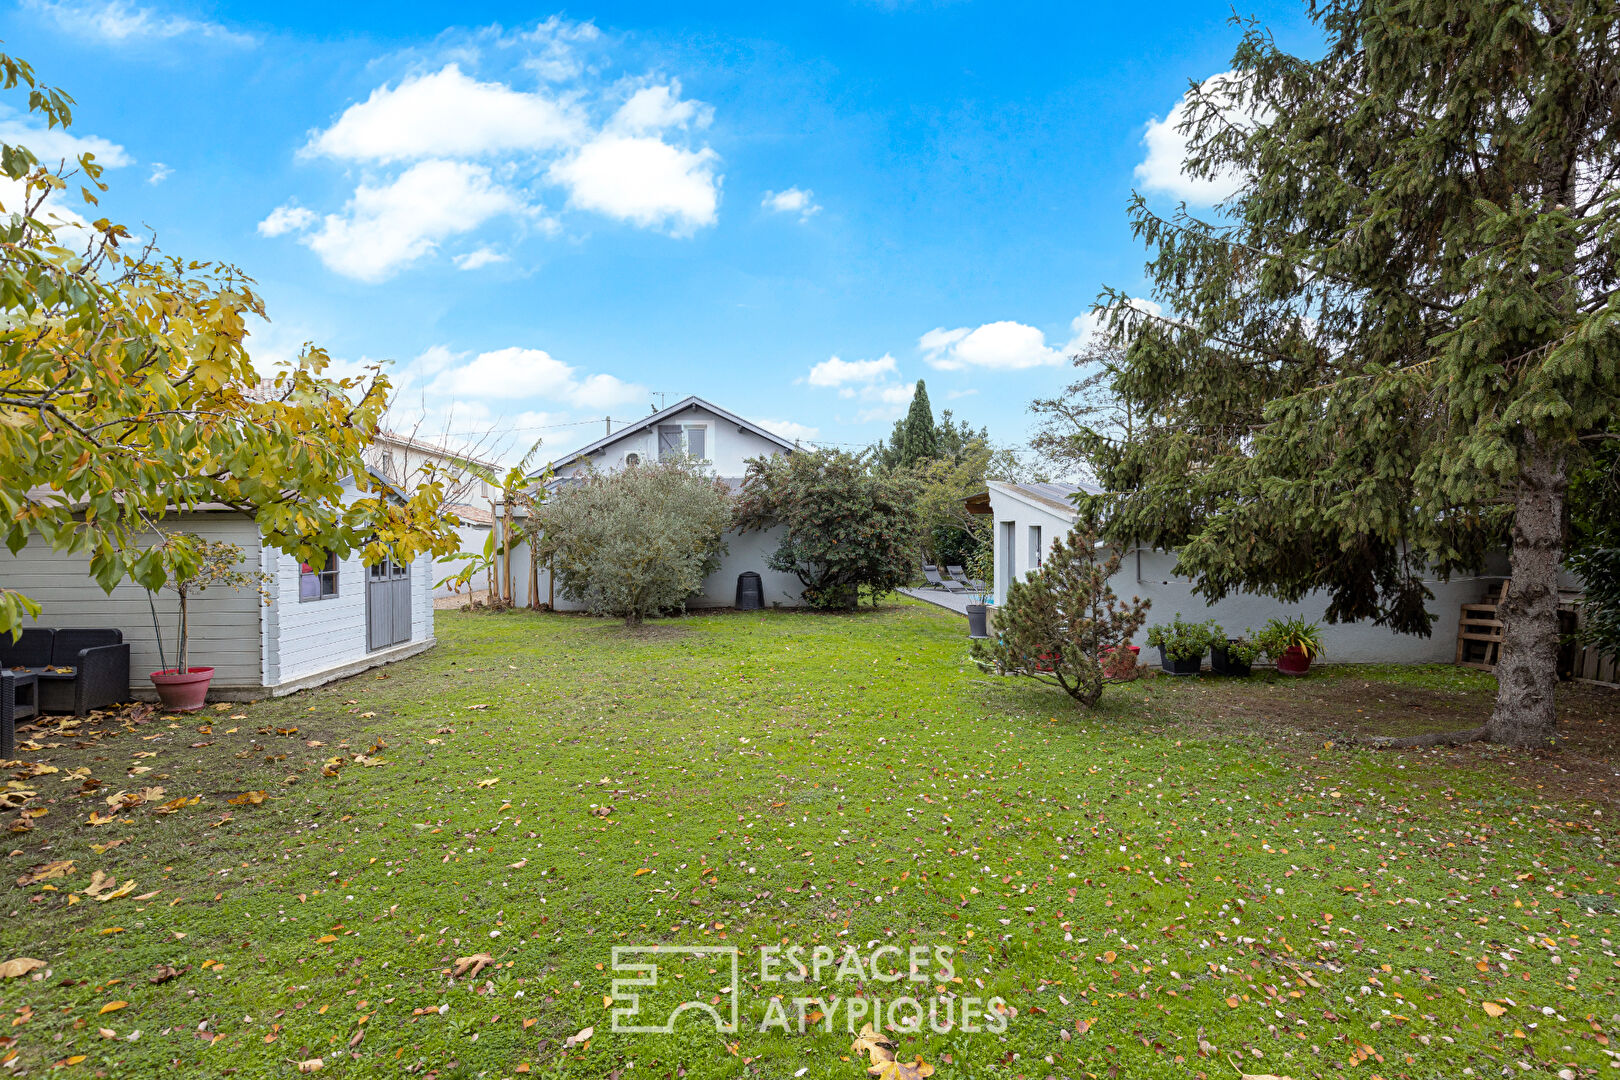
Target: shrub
<point>636,542</point>
<point>1060,622</point>
<point>846,527</point>
<point>1183,640</point>
<point>1243,649</point>
<point>1280,635</point>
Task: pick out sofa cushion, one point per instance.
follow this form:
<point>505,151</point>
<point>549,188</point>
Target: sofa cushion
<point>70,642</point>
<point>32,649</point>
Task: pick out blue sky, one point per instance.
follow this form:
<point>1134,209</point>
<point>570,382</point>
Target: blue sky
<point>543,219</point>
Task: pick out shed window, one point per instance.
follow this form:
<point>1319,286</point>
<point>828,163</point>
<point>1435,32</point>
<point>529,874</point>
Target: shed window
<point>318,581</point>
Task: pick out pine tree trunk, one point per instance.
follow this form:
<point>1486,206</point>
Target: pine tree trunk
<point>1527,670</point>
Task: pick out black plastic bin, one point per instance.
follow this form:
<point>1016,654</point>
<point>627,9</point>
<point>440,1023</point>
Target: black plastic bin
<point>750,591</point>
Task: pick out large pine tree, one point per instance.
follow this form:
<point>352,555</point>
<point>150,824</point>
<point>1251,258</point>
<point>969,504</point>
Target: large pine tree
<point>1389,351</point>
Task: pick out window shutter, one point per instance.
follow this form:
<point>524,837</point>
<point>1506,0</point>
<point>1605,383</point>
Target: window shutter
<point>669,441</point>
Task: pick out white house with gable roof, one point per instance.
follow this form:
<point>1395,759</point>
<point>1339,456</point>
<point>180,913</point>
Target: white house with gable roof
<point>723,442</point>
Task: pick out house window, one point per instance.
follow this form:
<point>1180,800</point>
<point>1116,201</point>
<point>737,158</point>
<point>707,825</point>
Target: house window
<point>318,581</point>
<point>388,464</point>
<point>1035,547</point>
<point>676,440</point>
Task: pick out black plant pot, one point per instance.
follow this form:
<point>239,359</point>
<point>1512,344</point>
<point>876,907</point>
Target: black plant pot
<point>978,627</point>
<point>1181,667</point>
<point>1221,662</point>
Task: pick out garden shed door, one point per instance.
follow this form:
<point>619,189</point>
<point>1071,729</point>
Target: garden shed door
<point>388,604</point>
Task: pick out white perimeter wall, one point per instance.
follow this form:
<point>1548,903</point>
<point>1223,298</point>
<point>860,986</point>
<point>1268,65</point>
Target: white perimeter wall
<point>745,551</point>
<point>1149,574</point>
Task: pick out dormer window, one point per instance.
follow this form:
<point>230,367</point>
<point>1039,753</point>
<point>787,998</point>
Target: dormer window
<point>678,440</point>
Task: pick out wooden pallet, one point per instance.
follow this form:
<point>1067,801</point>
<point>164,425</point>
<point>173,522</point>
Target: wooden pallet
<point>1479,639</point>
<point>1479,631</point>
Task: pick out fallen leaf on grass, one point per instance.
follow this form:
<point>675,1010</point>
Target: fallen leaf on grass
<point>248,798</point>
<point>1492,1009</point>
<point>57,869</point>
<point>165,972</point>
<point>111,1006</point>
<point>476,963</point>
<point>643,870</point>
<point>488,781</point>
<point>11,969</point>
<point>102,849</point>
<point>175,804</point>
<point>580,1037</point>
<point>311,1065</point>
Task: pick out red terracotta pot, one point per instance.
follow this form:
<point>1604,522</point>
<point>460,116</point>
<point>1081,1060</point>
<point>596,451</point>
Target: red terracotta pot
<point>183,692</point>
<point>1295,661</point>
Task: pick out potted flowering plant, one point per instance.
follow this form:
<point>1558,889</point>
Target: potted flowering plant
<point>1292,642</point>
<point>191,565</point>
<point>1181,644</point>
<point>1233,656</point>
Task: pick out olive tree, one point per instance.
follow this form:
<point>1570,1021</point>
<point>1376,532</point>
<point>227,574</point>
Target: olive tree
<point>636,542</point>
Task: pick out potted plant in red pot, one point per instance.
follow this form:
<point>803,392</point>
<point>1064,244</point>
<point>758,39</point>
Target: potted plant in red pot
<point>190,564</point>
<point>1292,642</point>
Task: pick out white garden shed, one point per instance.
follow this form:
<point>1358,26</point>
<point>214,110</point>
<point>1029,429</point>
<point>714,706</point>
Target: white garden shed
<point>323,621</point>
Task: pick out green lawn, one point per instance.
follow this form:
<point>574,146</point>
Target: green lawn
<point>1187,882</point>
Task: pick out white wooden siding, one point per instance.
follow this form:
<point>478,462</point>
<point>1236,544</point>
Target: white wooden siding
<point>312,636</point>
<point>225,623</point>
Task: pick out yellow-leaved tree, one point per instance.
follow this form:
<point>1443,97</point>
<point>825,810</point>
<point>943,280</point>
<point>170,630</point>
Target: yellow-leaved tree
<point>127,395</point>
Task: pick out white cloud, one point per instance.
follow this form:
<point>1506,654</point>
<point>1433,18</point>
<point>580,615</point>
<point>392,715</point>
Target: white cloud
<point>890,402</point>
<point>1163,168</point>
<point>792,201</point>
<point>52,211</point>
<point>553,43</point>
<point>386,228</point>
<point>1089,327</point>
<point>836,372</point>
<point>119,22</point>
<point>515,372</point>
<point>1005,346</point>
<point>483,256</point>
<point>285,219</point>
<point>160,173</point>
<point>655,109</point>
<point>791,429</point>
<point>447,114</point>
<point>53,145</point>
<point>643,180</point>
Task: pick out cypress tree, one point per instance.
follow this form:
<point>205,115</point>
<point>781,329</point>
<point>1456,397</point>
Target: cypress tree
<point>919,440</point>
<point>1386,355</point>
